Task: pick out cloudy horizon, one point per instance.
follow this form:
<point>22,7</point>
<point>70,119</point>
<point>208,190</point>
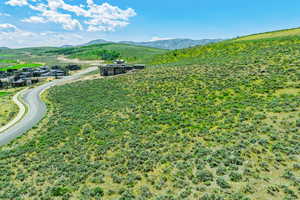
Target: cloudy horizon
<point>30,23</point>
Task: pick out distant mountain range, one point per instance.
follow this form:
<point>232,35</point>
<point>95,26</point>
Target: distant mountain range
<point>161,44</point>
<point>100,41</point>
<point>173,43</point>
<point>3,48</point>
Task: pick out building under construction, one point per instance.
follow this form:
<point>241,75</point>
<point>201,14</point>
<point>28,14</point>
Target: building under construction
<point>119,67</point>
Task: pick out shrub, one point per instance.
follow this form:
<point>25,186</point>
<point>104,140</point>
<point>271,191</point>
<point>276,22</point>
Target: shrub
<point>212,197</point>
<point>298,123</point>
<point>235,177</point>
<point>221,171</point>
<point>145,192</point>
<point>59,191</point>
<point>204,176</point>
<point>96,192</point>
<point>222,183</point>
<point>238,196</point>
<point>296,166</point>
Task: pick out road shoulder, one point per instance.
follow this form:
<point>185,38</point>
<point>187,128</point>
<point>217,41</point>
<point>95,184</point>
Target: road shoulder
<point>17,99</point>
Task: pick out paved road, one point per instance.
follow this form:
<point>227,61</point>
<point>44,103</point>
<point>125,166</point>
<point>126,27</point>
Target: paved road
<point>36,108</point>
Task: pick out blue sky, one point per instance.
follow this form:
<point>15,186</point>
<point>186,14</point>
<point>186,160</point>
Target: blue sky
<point>57,22</point>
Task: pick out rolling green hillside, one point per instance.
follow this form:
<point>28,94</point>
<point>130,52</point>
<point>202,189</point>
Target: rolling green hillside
<point>273,34</point>
<point>227,50</point>
<point>219,122</point>
<point>110,51</point>
<point>29,55</point>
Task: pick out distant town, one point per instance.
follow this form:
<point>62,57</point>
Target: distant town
<point>29,76</point>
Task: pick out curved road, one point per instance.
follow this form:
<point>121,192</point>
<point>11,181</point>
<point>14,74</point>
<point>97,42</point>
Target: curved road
<point>36,108</point>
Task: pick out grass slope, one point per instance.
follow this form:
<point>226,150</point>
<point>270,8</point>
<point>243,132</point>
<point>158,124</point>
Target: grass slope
<point>31,55</point>
<point>8,109</point>
<point>6,55</point>
<point>229,50</point>
<point>4,93</point>
<point>8,61</point>
<point>273,34</point>
<point>130,53</point>
<point>221,123</point>
<point>20,66</point>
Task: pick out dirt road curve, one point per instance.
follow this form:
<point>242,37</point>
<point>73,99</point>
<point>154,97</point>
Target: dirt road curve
<point>82,62</point>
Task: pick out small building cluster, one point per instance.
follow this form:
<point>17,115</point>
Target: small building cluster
<point>119,67</point>
<point>29,76</point>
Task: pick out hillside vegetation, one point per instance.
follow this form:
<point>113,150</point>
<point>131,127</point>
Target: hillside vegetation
<point>110,51</point>
<point>219,122</point>
<point>273,34</point>
<point>227,50</point>
<point>8,61</point>
<point>8,109</point>
<point>29,55</point>
<point>20,66</point>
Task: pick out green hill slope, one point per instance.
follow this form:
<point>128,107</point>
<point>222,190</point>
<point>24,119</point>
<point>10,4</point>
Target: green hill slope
<point>220,123</point>
<point>273,34</point>
<point>226,50</point>
<point>110,51</point>
<point>30,55</point>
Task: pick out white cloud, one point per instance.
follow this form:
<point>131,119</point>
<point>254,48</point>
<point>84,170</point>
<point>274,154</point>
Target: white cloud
<point>90,17</point>
<point>100,24</point>
<point>35,19</point>
<point>10,35</point>
<point>4,15</point>
<point>17,2</point>
<point>159,38</point>
<point>7,28</point>
<point>49,13</point>
<point>106,17</point>
<point>65,20</point>
<point>20,38</point>
<point>102,17</point>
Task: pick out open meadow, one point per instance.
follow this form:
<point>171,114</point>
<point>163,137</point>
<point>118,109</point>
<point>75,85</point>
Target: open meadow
<point>110,52</point>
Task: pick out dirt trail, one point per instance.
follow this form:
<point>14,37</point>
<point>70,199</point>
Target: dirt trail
<point>83,62</point>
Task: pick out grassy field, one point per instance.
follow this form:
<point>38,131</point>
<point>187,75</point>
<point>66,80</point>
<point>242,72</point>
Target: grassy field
<point>3,93</point>
<point>20,66</point>
<point>6,55</point>
<point>207,123</point>
<point>8,61</point>
<point>31,55</point>
<point>273,34</point>
<point>113,51</point>
<point>8,110</point>
<point>108,52</point>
